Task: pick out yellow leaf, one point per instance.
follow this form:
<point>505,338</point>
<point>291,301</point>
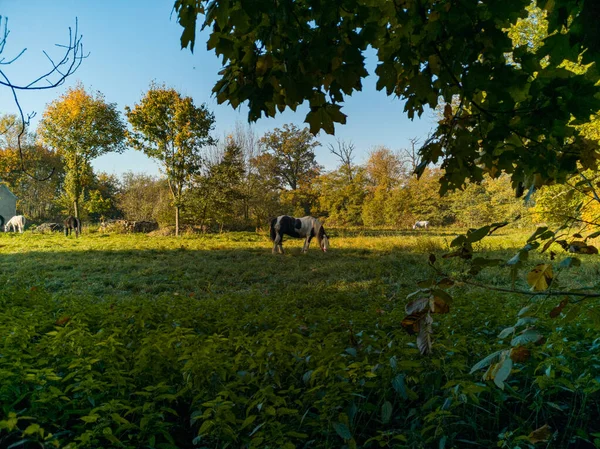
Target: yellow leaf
<point>539,435</point>
<point>540,277</point>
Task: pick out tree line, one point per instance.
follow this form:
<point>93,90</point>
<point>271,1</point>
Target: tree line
<point>238,181</point>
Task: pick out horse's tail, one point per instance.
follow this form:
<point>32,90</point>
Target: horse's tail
<point>273,232</point>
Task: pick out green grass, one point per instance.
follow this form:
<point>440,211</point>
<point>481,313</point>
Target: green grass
<point>212,341</point>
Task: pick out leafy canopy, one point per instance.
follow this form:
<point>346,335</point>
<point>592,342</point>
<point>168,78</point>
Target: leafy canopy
<point>170,128</point>
<point>289,154</point>
<point>516,107</point>
<point>81,125</point>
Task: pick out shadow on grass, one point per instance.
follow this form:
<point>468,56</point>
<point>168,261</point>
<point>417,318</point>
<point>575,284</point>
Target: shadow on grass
<point>201,272</point>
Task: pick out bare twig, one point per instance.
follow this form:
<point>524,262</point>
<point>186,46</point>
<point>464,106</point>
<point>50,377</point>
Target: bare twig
<point>344,153</point>
<point>66,66</point>
<point>528,292</point>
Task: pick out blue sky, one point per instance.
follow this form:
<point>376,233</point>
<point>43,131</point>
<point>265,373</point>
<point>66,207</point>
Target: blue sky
<point>134,42</point>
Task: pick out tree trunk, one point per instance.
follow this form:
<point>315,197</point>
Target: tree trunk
<point>76,208</point>
<point>176,221</point>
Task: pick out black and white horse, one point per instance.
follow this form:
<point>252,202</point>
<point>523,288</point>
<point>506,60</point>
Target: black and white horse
<point>72,223</point>
<point>305,227</point>
<point>421,224</point>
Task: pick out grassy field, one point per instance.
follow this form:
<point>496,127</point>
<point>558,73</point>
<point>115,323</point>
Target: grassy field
<point>212,341</point>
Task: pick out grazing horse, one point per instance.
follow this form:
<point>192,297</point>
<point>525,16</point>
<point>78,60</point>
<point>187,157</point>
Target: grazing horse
<point>16,222</point>
<point>72,223</point>
<point>305,227</point>
<point>421,224</point>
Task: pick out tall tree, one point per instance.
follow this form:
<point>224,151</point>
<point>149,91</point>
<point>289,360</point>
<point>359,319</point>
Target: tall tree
<point>217,194</point>
<point>289,154</point>
<point>80,127</point>
<point>384,168</point>
<point>518,109</point>
<point>172,129</point>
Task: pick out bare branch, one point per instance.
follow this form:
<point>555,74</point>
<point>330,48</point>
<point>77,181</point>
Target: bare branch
<point>411,155</point>
<point>71,60</point>
<point>344,153</point>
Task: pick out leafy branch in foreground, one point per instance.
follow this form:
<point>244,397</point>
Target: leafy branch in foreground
<point>432,297</point>
<point>524,77</point>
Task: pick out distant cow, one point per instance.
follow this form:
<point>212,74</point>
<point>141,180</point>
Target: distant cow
<point>421,224</point>
<point>16,222</point>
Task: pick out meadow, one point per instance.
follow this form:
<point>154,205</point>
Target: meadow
<point>211,341</point>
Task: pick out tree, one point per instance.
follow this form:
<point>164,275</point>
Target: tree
<point>217,193</point>
<point>342,191</point>
<point>518,109</point>
<point>172,129</point>
<point>102,197</point>
<point>289,152</point>
<point>384,168</point>
<point>81,127</point>
<point>246,139</point>
<point>144,198</point>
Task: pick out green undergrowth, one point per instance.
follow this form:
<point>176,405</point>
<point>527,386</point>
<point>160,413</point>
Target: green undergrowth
<point>212,342</point>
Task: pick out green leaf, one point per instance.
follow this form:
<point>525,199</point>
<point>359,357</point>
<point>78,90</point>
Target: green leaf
<point>342,430</point>
<point>506,332</point>
<point>529,336</point>
<point>478,234</point>
<point>386,412</point>
<point>206,427</point>
<point>31,429</point>
<point>249,420</point>
<point>458,241</point>
<point>486,361</point>
<point>400,386</point>
<point>572,313</point>
<point>503,372</point>
<point>319,118</point>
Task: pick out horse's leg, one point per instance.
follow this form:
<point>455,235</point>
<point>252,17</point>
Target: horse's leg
<point>306,244</point>
<point>276,242</point>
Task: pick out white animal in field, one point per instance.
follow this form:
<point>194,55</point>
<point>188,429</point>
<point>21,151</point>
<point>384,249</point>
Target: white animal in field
<point>16,222</point>
<point>421,224</point>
